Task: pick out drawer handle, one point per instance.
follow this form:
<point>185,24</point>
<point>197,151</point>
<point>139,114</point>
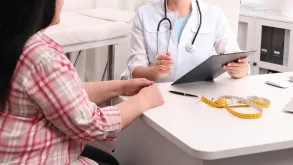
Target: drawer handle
<point>277,52</point>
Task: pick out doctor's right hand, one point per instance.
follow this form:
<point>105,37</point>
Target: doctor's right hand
<point>163,66</point>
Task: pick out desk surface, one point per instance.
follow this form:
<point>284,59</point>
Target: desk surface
<point>208,133</point>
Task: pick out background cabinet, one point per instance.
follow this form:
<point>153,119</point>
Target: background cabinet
<point>271,35</point>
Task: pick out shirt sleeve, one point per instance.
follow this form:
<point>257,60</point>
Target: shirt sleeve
<point>138,49</point>
<point>226,41</point>
<point>56,88</point>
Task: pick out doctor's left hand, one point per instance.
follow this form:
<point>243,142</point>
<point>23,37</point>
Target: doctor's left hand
<point>132,87</point>
<point>238,69</point>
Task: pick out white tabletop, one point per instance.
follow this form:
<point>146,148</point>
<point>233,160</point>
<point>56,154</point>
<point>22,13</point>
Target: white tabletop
<point>208,133</point>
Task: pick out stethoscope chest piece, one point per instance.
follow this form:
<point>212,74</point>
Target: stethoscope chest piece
<point>190,47</point>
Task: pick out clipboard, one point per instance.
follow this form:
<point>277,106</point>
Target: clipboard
<point>212,67</point>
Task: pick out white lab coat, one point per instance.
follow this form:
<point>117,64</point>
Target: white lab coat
<point>215,37</point>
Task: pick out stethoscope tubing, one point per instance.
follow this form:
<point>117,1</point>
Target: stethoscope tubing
<point>190,47</point>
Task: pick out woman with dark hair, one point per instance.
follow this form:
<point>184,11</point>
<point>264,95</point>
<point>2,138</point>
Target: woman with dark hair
<point>46,113</point>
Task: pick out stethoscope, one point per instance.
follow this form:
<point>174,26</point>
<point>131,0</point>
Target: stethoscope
<point>189,47</point>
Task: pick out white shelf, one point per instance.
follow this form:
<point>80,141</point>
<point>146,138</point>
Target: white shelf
<point>268,15</point>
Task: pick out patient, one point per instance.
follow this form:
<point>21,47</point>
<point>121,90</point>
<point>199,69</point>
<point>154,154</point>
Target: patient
<point>46,112</point>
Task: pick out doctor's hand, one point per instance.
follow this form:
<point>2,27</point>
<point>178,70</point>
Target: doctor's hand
<point>238,69</point>
<point>163,66</point>
<point>132,87</point>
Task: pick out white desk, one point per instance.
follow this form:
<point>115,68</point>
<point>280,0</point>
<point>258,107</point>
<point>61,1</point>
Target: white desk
<point>185,131</point>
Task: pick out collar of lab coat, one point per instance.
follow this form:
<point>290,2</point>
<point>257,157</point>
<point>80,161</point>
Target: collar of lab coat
<point>160,7</point>
<point>194,14</point>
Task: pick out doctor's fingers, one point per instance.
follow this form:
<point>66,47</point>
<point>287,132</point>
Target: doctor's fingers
<point>164,57</point>
<point>164,67</point>
<point>239,67</point>
<point>163,74</point>
<point>164,62</point>
<point>244,60</point>
<point>237,64</point>
<point>233,69</point>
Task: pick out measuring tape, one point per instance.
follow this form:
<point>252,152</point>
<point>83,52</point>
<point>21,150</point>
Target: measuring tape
<point>257,103</point>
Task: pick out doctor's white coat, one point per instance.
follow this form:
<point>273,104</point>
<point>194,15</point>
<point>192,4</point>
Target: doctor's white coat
<point>215,37</point>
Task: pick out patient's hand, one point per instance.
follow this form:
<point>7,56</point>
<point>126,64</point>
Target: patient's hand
<point>132,87</point>
<point>238,69</point>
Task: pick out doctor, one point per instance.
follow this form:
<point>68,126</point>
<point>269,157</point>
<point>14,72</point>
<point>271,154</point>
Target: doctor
<point>170,38</point>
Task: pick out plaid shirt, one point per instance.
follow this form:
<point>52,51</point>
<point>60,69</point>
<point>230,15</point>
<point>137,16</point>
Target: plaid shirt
<point>48,116</point>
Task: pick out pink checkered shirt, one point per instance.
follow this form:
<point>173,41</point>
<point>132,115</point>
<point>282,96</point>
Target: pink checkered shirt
<point>48,116</point>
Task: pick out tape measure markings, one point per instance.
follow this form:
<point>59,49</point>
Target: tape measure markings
<point>258,103</point>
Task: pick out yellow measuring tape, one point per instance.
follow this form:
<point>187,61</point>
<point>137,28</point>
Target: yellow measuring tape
<point>257,103</point>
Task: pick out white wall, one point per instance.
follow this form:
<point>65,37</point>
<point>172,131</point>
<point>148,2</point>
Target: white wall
<point>231,8</point>
<point>129,5</point>
<point>70,5</point>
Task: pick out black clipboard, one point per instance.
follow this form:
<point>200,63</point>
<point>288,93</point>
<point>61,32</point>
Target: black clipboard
<point>212,67</point>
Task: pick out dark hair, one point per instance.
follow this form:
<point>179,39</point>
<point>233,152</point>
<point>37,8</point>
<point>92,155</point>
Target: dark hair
<point>19,20</point>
